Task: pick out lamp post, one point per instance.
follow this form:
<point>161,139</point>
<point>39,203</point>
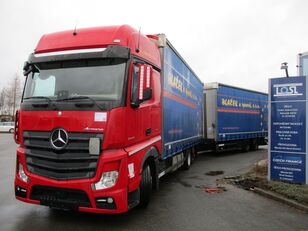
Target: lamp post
<point>284,66</point>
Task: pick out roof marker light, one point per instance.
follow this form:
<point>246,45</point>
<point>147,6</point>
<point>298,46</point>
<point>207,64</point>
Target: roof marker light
<point>141,83</point>
<point>148,77</point>
<point>79,51</point>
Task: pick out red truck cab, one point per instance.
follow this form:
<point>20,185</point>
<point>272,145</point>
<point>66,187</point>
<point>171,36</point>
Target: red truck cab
<point>89,126</point>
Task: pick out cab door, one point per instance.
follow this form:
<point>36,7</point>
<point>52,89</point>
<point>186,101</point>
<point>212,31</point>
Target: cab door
<point>144,114</point>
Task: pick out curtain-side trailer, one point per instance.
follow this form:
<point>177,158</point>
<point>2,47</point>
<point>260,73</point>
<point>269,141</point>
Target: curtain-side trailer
<point>182,102</point>
<point>235,118</point>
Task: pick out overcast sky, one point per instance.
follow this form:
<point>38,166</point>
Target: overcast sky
<point>236,42</point>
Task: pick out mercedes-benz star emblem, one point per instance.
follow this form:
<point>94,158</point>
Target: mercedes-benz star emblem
<point>59,138</point>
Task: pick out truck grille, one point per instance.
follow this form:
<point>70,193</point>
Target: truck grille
<point>73,162</point>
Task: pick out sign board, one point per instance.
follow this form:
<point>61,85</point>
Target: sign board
<point>288,129</point>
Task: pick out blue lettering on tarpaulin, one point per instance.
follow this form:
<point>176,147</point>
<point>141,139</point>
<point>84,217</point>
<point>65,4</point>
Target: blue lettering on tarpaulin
<point>287,151</point>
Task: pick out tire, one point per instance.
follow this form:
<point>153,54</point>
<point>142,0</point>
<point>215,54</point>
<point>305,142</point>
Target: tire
<point>254,145</point>
<point>188,161</point>
<point>145,186</point>
<point>193,154</point>
<point>11,130</point>
<point>246,147</point>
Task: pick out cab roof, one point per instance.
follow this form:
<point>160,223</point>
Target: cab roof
<point>100,37</point>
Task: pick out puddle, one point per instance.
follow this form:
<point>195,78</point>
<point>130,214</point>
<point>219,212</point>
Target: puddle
<point>195,178</point>
<point>214,173</point>
<point>183,183</point>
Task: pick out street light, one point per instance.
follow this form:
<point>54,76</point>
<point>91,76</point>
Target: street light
<point>284,66</point>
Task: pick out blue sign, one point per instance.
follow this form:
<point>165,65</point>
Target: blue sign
<point>288,126</point>
<point>283,89</point>
<point>288,167</point>
<point>287,151</point>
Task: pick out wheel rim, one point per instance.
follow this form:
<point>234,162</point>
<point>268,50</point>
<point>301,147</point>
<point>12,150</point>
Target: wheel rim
<point>247,148</point>
<point>189,159</point>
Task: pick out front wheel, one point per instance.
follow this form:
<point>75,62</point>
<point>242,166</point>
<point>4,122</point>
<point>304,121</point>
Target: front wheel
<point>11,130</point>
<point>145,186</point>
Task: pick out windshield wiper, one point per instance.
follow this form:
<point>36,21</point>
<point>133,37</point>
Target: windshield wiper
<point>39,97</point>
<point>40,104</point>
<point>82,97</point>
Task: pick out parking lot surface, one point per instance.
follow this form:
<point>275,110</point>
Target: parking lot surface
<point>180,204</point>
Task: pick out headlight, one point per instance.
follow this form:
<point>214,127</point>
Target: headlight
<point>107,180</point>
<point>21,173</point>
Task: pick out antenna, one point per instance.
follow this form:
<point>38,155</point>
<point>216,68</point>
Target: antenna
<point>75,29</point>
<point>138,46</point>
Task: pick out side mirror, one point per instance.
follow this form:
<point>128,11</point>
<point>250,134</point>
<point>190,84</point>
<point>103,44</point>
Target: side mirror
<point>27,68</point>
<point>147,94</point>
<point>145,79</point>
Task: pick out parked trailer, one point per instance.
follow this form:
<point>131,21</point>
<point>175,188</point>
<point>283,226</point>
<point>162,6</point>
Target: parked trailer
<point>105,113</point>
<point>234,117</point>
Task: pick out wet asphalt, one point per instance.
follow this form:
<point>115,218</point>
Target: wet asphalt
<point>180,204</point>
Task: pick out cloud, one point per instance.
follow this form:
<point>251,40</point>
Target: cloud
<point>235,42</point>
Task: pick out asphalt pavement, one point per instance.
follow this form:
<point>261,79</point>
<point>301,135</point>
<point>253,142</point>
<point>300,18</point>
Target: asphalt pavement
<point>180,204</point>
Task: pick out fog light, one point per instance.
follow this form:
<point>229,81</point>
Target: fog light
<point>109,200</point>
<point>21,173</point>
<point>107,180</point>
<point>105,203</point>
<point>20,192</point>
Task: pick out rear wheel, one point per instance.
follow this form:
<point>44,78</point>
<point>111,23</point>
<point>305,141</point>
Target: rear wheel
<point>145,186</point>
<point>193,154</point>
<point>254,145</point>
<point>187,162</point>
<point>245,147</point>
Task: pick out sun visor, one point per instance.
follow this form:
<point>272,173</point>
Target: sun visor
<point>109,52</point>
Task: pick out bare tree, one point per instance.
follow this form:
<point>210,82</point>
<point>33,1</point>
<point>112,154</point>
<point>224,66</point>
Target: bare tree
<point>3,100</point>
<point>13,94</point>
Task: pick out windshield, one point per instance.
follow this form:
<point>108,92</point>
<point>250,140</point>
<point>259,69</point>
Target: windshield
<point>101,80</point>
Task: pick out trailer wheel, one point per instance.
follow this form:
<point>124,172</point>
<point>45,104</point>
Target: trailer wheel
<point>187,162</point>
<point>145,186</point>
<point>254,145</point>
<point>246,147</point>
<point>193,154</point>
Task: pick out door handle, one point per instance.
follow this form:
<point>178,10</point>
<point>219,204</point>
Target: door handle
<point>148,131</point>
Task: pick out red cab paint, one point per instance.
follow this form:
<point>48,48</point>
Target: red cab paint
<point>90,127</point>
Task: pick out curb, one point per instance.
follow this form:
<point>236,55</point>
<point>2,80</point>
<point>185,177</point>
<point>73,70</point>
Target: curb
<point>279,198</point>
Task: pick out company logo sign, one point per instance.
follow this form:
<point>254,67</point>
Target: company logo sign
<point>287,89</point>
<point>59,139</point>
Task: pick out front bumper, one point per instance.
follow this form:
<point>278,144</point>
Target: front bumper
<point>77,194</point>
